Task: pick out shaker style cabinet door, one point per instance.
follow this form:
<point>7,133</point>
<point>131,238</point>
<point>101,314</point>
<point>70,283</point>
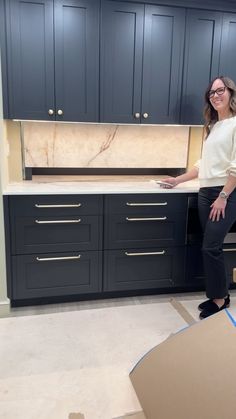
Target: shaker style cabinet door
<point>141,63</point>
<point>227,53</point>
<point>53,62</point>
<point>162,64</point>
<point>121,61</point>
<point>201,61</point>
<point>77,60</point>
<point>30,57</point>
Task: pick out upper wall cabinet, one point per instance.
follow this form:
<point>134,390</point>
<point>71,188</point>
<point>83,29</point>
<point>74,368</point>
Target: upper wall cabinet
<point>228,43</point>
<point>201,61</point>
<point>209,52</point>
<point>53,59</point>
<point>141,62</point>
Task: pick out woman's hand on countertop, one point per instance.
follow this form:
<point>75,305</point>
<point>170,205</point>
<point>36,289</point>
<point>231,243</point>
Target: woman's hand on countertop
<point>169,182</point>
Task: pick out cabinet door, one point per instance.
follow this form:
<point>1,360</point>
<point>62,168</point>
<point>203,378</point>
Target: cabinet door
<point>227,54</point>
<point>201,61</point>
<point>162,64</point>
<point>77,59</point>
<point>121,61</point>
<point>30,58</point>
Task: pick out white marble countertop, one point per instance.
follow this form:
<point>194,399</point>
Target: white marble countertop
<point>52,185</point>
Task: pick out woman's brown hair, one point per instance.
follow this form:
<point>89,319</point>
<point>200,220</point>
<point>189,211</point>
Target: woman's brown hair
<point>210,114</point>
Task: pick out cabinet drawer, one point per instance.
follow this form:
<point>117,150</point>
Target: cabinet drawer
<point>150,268</point>
<point>146,203</point>
<point>144,230</point>
<point>55,234</point>
<point>55,205</point>
<point>56,275</point>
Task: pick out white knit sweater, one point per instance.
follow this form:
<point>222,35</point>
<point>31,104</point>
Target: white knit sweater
<point>218,158</point>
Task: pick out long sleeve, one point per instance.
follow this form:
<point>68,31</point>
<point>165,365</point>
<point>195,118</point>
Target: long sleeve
<point>232,168</point>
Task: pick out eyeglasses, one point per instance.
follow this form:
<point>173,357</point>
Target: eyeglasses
<point>220,91</point>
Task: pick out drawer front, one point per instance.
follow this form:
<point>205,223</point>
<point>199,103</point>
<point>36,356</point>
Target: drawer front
<point>144,230</point>
<point>146,204</point>
<point>145,269</point>
<point>55,234</point>
<point>59,274</point>
<point>55,205</point>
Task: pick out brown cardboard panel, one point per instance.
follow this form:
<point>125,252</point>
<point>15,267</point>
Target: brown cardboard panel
<point>136,415</point>
<point>192,374</point>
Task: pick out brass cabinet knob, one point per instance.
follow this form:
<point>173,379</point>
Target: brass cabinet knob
<point>137,115</point>
<point>50,111</point>
<point>59,112</point>
<point>145,115</point>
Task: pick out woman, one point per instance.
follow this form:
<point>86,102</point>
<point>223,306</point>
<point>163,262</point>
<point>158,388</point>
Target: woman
<point>217,195</point>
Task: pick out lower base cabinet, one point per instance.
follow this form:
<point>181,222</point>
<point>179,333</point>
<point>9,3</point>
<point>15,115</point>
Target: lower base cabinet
<point>44,275</point>
<point>136,269</point>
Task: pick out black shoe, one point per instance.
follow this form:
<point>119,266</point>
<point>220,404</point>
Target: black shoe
<point>207,303</point>
<point>212,309</point>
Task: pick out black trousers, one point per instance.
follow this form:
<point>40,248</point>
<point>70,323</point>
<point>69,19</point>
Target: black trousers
<point>217,283</point>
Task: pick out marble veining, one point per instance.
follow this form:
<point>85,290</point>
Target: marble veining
<point>104,145</point>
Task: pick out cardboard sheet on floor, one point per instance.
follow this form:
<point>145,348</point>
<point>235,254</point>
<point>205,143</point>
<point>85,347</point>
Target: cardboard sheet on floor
<point>192,374</point>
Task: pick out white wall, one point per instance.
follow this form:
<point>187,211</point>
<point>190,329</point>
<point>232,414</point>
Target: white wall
<point>3,175</point>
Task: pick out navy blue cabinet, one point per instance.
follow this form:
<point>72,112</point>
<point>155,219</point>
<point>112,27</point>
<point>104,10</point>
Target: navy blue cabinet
<point>141,62</point>
<point>53,59</point>
<point>55,245</point>
<point>209,52</point>
<point>144,241</point>
<point>227,54</point>
<point>201,61</point>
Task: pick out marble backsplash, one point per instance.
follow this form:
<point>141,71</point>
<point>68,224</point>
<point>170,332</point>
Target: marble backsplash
<point>104,146</point>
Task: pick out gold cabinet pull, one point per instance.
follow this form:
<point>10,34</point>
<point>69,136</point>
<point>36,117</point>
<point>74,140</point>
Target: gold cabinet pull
<point>57,205</point>
<point>58,258</point>
<point>145,204</point>
<point>145,253</point>
<point>147,219</point>
<point>230,250</point>
<point>58,221</point>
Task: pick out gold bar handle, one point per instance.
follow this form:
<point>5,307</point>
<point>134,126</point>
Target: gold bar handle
<point>229,250</point>
<point>145,204</point>
<point>58,205</point>
<point>145,253</point>
<point>58,258</point>
<point>147,219</point>
<point>57,221</point>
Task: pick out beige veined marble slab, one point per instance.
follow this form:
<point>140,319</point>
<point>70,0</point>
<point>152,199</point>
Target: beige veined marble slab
<point>104,145</point>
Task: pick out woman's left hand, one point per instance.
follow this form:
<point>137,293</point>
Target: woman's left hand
<point>218,209</point>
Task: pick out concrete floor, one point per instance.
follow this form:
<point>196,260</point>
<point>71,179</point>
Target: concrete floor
<point>64,359</point>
